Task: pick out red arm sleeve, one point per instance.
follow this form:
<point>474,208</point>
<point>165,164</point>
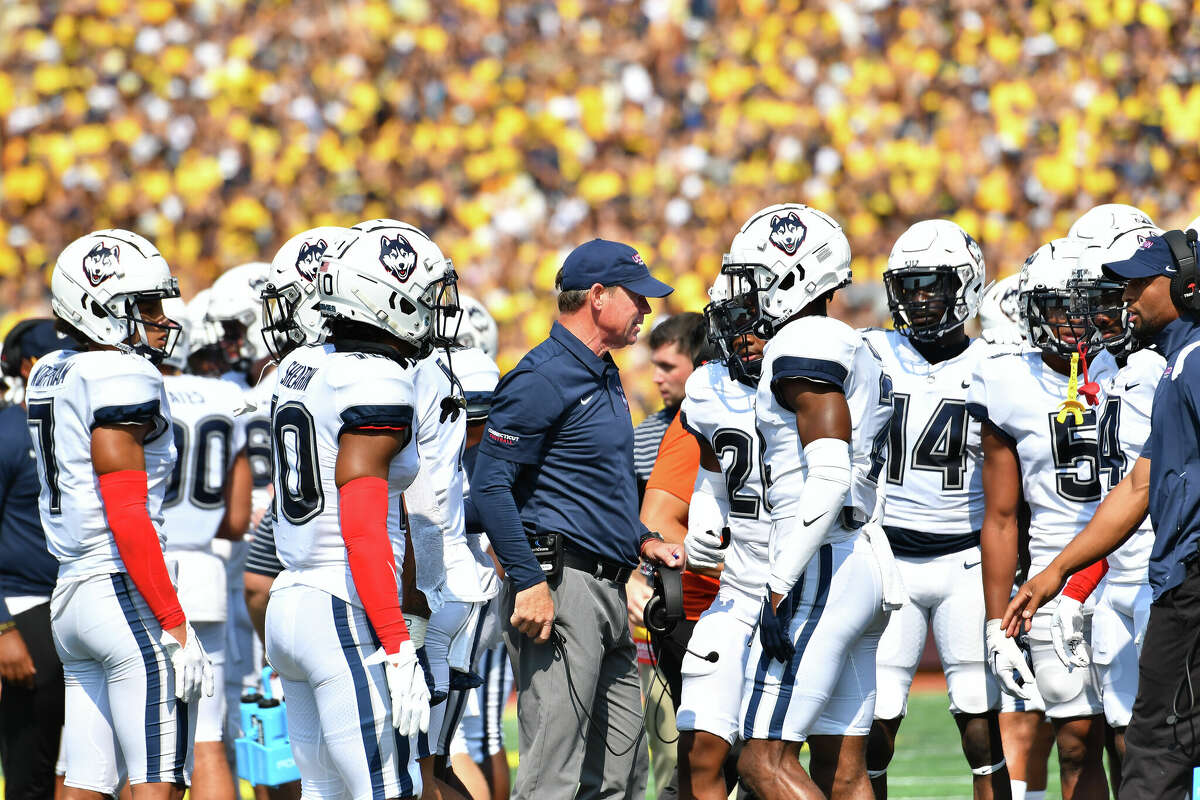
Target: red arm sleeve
<point>1084,582</point>
<point>362,506</point>
<point>124,494</point>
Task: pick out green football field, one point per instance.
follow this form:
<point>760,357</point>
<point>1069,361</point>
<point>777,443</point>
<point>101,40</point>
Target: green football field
<point>928,763</point>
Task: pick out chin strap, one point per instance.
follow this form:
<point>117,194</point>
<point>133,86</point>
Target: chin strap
<point>1090,389</point>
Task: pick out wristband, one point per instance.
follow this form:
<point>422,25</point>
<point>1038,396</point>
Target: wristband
<point>648,536</point>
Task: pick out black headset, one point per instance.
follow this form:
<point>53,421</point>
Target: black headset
<point>664,609</point>
<point>1185,283</point>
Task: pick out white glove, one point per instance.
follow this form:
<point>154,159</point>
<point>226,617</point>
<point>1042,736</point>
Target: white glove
<point>1066,632</point>
<point>1005,657</point>
<point>193,669</point>
<point>406,685</point>
<point>703,548</point>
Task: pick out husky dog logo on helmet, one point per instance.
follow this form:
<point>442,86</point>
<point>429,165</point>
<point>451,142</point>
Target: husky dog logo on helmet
<point>309,258</point>
<point>787,232</point>
<point>397,256</point>
<point>100,263</point>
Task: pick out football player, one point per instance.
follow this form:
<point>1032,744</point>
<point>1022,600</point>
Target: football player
<point>207,496</point>
<point>728,529</point>
<point>235,307</point>
<point>290,318</point>
<point>822,408</point>
<point>342,427</point>
<point>100,421</point>
<point>999,317</point>
<point>1040,410</point>
<point>457,578</point>
<point>1122,607</point>
<point>482,725</point>
<point>934,284</point>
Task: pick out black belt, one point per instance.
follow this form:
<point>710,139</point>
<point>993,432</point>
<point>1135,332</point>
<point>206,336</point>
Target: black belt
<point>604,570</point>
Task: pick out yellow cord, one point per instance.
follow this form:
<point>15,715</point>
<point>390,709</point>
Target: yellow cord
<point>1071,405</point>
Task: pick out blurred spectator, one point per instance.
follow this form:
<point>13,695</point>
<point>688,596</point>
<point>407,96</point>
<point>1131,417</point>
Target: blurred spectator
<point>512,130</point>
<point>678,345</point>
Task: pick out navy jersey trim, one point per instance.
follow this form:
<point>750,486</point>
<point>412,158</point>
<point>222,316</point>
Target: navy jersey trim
<point>978,412</point>
<point>376,416</point>
<point>138,413</point>
<point>908,543</point>
<point>816,369</point>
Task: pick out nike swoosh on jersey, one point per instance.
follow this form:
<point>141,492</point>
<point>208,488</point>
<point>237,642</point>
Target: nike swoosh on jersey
<point>1129,386</point>
<point>808,522</point>
<point>971,564</point>
<point>583,401</point>
<point>966,384</point>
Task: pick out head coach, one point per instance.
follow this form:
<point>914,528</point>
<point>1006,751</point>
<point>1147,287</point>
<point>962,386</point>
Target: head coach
<point>1162,742</point>
<point>554,490</point>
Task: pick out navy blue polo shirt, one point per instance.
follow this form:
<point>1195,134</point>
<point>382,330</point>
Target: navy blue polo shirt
<point>562,417</point>
<point>1174,452</point>
<point>26,566</point>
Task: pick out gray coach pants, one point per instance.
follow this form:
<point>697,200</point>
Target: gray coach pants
<point>563,754</point>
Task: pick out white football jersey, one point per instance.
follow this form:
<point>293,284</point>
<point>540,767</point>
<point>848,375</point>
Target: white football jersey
<point>1060,472</point>
<point>68,394</point>
<point>448,567</point>
<point>720,411</point>
<point>321,393</point>
<point>830,351</point>
<point>1124,429</point>
<point>934,485</point>
<point>256,416</point>
<point>208,436</point>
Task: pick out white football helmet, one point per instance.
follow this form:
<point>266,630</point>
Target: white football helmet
<point>97,282</point>
<point>1067,304</point>
<point>235,304</point>
<point>787,256</point>
<point>289,300</point>
<point>176,311</point>
<point>1000,312</point>
<point>1102,225</point>
<point>934,279</point>
<point>478,329</point>
<point>391,276</point>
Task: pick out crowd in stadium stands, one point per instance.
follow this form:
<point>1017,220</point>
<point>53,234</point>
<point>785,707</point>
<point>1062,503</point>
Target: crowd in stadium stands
<point>511,131</point>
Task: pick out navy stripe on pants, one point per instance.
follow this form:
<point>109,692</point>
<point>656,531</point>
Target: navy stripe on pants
<point>153,679</point>
<point>362,694</point>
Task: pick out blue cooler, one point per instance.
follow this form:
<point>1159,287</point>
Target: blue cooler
<point>264,754</point>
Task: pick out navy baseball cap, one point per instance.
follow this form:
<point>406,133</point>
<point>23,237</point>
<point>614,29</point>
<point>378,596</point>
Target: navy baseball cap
<point>31,338</point>
<point>1152,258</point>
<point>610,264</point>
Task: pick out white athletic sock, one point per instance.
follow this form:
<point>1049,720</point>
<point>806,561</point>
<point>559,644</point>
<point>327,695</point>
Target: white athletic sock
<point>1018,790</point>
<point>1036,794</point>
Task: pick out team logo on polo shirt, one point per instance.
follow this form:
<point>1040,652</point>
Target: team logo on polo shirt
<point>100,263</point>
<point>397,256</point>
<point>499,437</point>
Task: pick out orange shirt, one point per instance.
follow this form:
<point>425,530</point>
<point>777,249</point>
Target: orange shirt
<point>674,472</point>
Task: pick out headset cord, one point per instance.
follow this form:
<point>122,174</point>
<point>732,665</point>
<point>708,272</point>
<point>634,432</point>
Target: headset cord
<point>560,650</point>
<point>658,676</point>
<point>1186,680</point>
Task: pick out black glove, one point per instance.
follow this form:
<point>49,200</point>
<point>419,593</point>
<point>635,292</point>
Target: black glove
<point>773,628</point>
<point>462,681</point>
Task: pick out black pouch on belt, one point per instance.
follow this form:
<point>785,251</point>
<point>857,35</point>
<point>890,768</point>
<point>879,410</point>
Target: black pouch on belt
<point>548,550</point>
